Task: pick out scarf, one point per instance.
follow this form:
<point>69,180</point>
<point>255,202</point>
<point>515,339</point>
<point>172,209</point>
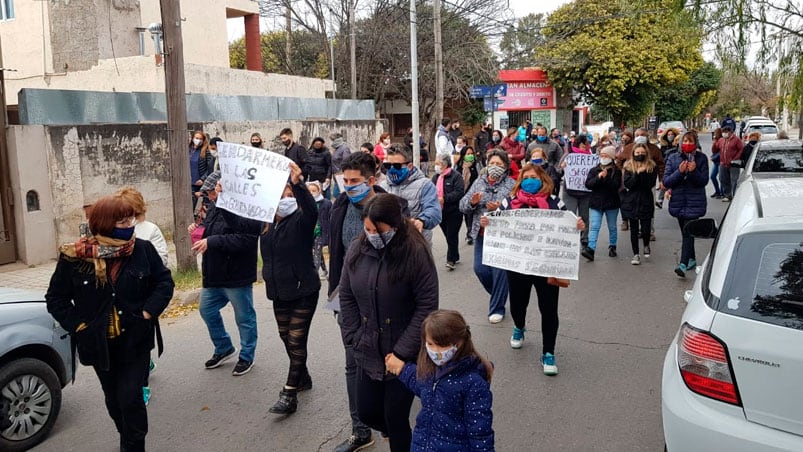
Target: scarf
<point>95,250</point>
<point>580,151</point>
<point>337,142</point>
<point>467,174</point>
<point>444,173</point>
<point>524,199</point>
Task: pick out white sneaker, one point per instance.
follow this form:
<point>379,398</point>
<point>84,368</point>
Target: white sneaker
<point>495,318</point>
<point>636,260</point>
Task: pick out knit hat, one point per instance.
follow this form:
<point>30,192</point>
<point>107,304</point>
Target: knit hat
<point>211,181</point>
<point>317,184</point>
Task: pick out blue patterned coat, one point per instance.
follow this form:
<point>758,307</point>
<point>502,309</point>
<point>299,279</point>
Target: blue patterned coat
<point>455,411</point>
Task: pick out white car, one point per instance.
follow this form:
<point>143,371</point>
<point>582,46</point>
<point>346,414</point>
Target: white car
<point>732,376</point>
<point>767,128</point>
<point>775,158</point>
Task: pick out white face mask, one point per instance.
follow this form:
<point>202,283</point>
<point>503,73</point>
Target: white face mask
<point>438,169</point>
<point>214,153</point>
<point>196,141</point>
<point>287,206</point>
<point>604,161</point>
<point>640,140</point>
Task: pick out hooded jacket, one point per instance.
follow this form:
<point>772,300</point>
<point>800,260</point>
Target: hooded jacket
<point>341,153</point>
<point>514,149</point>
<point>456,412</point>
<point>319,164</point>
<point>496,192</point>
<point>666,146</point>
<point>688,200</point>
<point>422,199</point>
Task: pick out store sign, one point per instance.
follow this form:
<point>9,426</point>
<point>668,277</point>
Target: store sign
<point>532,95</point>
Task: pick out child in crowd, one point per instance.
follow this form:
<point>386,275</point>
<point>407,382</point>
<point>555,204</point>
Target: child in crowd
<point>453,382</point>
<point>322,228</point>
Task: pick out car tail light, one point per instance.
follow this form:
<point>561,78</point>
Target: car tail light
<point>704,366</point>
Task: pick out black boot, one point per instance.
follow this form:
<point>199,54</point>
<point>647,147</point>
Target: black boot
<point>612,251</point>
<point>588,253</point>
<point>287,403</point>
<point>306,383</point>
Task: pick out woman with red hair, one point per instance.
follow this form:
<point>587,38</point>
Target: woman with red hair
<point>381,148</point>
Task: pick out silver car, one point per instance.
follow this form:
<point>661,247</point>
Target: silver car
<point>35,364</point>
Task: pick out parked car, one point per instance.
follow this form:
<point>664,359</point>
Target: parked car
<point>767,128</point>
<point>731,377</point>
<point>35,364</point>
<point>775,158</point>
<point>669,125</point>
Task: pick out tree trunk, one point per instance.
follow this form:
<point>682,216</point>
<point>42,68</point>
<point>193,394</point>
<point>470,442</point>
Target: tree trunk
<point>288,24</point>
<point>353,50</point>
<point>436,26</point>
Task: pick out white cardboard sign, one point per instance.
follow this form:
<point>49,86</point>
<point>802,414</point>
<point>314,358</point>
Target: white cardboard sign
<point>576,171</point>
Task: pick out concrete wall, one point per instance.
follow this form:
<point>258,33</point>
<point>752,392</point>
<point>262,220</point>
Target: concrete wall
<point>30,25</point>
<point>140,74</point>
<point>70,166</point>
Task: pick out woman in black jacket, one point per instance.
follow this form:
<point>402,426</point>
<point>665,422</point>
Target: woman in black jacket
<point>604,181</point>
<point>292,282</point>
<point>389,285</point>
<point>108,291</point>
<point>319,164</point>
<point>640,173</point>
<point>450,190</point>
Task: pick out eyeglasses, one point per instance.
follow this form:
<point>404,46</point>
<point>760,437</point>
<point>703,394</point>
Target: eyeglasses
<point>398,166</point>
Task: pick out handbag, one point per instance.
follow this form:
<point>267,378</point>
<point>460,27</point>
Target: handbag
<point>197,234</point>
<point>560,282</point>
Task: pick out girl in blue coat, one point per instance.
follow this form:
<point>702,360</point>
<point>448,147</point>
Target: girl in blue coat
<point>453,382</point>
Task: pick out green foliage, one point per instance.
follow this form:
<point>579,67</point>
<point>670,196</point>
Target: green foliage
<point>518,43</point>
<point>616,56</point>
<point>309,54</point>
<point>473,113</point>
<point>683,101</point>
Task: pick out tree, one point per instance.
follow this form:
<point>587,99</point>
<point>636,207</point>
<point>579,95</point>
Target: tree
<point>307,58</point>
<point>688,99</point>
<point>615,56</point>
<point>518,43</point>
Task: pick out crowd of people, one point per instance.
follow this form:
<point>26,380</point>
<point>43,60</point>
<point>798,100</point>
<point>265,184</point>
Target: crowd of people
<point>373,213</point>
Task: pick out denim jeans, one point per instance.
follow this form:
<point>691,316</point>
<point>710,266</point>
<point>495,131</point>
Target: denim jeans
<point>493,279</point>
<point>213,299</point>
<point>596,224</point>
<point>715,179</point>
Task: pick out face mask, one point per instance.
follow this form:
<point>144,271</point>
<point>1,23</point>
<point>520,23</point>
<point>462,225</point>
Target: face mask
<point>726,135</point>
<point>438,169</point>
<point>538,162</point>
<point>496,139</point>
<point>496,172</point>
<point>122,233</point>
<point>670,138</point>
<point>469,158</point>
<point>318,197</point>
<point>196,141</point>
<point>286,142</point>
<point>379,241</point>
<point>531,185</point>
<point>256,144</point>
<point>753,142</point>
<point>397,176</point>
<point>357,193</point>
<point>640,140</point>
<point>688,148</point>
<point>605,161</point>
<point>639,158</point>
<point>214,153</point>
<point>286,207</point>
<point>541,139</point>
<point>441,358</point>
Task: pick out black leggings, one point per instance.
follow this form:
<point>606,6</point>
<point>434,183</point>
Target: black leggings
<point>547,294</point>
<point>385,406</point>
<point>293,319</point>
<point>636,226</point>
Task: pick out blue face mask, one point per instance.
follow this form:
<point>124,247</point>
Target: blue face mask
<point>441,358</point>
<point>541,139</point>
<point>538,162</point>
<point>397,176</point>
<point>531,185</point>
<point>357,193</point>
<point>122,233</point>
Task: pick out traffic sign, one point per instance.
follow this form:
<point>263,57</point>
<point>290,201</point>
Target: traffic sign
<point>479,91</point>
<point>500,90</point>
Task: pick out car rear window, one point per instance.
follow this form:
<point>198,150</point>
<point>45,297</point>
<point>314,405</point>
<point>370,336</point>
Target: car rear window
<point>787,160</point>
<point>763,129</point>
<point>765,281</point>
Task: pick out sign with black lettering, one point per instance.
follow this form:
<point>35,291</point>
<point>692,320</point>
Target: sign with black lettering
<point>539,242</point>
<point>253,180</point>
<point>576,171</point>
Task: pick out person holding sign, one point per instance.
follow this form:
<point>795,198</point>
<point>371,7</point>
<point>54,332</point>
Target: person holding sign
<point>292,282</point>
<point>484,196</point>
<point>575,194</point>
<point>604,181</point>
<point>640,173</point>
<point>533,190</point>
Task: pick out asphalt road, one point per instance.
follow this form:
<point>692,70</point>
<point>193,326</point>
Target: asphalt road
<point>616,324</point>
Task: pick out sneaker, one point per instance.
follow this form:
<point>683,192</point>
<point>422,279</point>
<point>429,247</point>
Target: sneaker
<point>469,241</point>
<point>548,360</point>
<point>612,251</point>
<point>726,199</point>
<point>636,260</point>
<point>652,237</point>
<point>659,205</point>
<point>146,394</point>
<point>681,270</point>
<point>217,359</point>
<point>495,318</point>
<point>518,338</point>
<point>355,443</point>
<point>588,253</point>
<point>692,263</point>
<point>716,196</point>
<point>450,265</point>
<point>151,367</point>
<point>242,367</point>
<point>647,251</point>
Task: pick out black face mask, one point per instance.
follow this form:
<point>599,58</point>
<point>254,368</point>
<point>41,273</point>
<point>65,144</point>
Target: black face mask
<point>287,143</point>
<point>639,158</point>
<point>256,144</point>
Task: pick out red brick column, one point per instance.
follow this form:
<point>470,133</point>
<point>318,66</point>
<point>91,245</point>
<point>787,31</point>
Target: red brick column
<point>253,53</point>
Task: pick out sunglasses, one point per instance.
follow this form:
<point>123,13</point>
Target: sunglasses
<point>398,166</point>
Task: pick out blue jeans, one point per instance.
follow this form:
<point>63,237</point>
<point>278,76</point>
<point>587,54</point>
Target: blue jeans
<point>715,179</point>
<point>493,279</point>
<point>596,223</point>
<point>213,299</point>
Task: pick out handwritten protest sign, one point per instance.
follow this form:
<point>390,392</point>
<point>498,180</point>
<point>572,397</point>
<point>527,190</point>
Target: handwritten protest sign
<point>576,171</point>
<point>253,180</point>
<point>539,242</point>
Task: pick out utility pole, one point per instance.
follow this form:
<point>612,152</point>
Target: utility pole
<point>8,252</point>
<point>436,16</point>
<point>177,131</point>
<point>414,84</point>
<point>353,48</point>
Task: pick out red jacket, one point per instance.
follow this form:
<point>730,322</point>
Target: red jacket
<point>515,150</point>
<point>730,149</point>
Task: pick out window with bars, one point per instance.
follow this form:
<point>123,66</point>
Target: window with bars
<point>6,9</point>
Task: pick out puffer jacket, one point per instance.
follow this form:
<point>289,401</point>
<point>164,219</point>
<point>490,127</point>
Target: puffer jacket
<point>637,199</point>
<point>452,192</point>
<point>688,198</point>
<point>230,259</point>
<point>497,192</point>
<point>319,164</point>
<point>456,413</point>
<point>604,191</point>
<point>422,199</point>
